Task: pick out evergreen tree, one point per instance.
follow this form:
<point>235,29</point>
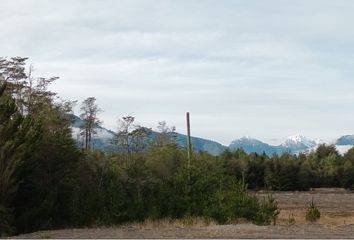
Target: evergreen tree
<point>18,138</point>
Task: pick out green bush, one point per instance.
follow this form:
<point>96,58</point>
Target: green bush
<point>312,213</point>
<point>268,211</point>
<point>231,204</point>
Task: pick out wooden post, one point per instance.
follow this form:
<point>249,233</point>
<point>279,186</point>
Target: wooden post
<point>189,143</point>
<point>189,150</point>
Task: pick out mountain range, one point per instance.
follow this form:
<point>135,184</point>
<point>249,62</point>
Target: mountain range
<point>293,145</point>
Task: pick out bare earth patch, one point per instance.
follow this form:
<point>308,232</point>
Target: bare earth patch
<point>337,221</point>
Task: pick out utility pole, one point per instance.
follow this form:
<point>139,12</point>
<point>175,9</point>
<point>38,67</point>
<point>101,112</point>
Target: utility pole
<point>189,143</point>
<point>189,149</point>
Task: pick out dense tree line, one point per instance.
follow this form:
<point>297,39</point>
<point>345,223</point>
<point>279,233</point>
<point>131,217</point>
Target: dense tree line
<point>323,167</point>
<point>47,182</point>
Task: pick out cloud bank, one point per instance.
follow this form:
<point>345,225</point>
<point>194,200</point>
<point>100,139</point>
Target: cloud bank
<point>267,69</point>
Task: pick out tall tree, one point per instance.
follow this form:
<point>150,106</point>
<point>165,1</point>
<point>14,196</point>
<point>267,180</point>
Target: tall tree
<point>126,126</point>
<point>31,94</point>
<point>12,72</point>
<point>165,135</point>
<point>18,138</point>
<point>89,110</point>
<point>131,137</point>
<point>38,156</point>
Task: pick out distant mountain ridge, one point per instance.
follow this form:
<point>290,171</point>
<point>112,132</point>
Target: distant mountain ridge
<point>345,140</point>
<point>249,145</point>
<point>103,140</point>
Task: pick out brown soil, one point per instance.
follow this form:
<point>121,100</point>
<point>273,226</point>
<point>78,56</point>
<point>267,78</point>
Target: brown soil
<point>337,221</point>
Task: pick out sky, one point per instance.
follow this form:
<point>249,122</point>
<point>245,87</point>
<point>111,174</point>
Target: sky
<point>261,68</point>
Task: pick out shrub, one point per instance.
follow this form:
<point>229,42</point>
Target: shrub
<point>231,204</point>
<point>312,213</point>
<point>267,212</point>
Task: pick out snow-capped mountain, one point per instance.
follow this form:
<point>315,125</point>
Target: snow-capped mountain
<point>299,140</point>
<point>293,145</point>
<point>298,143</point>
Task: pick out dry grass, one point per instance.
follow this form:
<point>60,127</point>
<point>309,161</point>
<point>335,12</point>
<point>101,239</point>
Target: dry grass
<point>335,204</point>
<point>168,223</point>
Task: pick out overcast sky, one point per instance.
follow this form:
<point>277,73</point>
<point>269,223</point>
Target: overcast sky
<point>262,68</point>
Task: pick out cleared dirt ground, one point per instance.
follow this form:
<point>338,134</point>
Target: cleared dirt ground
<point>337,221</point>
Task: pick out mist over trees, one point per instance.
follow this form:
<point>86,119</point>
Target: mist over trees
<point>47,181</point>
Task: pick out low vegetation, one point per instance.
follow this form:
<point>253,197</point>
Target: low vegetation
<point>312,213</point>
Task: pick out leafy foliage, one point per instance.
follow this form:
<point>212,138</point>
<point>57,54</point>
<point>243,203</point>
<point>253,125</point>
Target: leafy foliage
<point>18,137</point>
<point>312,212</point>
<point>37,153</point>
<point>268,212</point>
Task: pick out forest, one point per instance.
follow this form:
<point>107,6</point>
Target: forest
<point>49,181</point>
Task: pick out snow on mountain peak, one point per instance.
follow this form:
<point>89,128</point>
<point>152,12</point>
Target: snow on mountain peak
<point>300,140</point>
<point>296,138</point>
<point>247,138</point>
